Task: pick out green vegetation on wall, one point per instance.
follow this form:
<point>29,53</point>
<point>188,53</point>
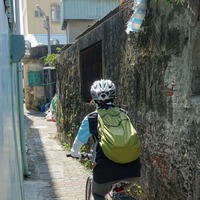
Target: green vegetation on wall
<point>52,58</point>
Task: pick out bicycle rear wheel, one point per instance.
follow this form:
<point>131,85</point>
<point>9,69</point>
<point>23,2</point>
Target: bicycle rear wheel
<point>88,189</point>
<point>108,197</point>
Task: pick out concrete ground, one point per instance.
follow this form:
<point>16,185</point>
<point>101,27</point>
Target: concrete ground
<point>53,175</point>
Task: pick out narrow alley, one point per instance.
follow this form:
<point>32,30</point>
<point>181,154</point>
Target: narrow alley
<point>53,175</point>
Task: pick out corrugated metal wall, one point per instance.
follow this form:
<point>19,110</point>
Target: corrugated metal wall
<point>42,38</point>
<point>87,9</point>
<point>11,184</point>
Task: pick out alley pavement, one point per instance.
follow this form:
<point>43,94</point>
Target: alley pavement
<point>53,175</point>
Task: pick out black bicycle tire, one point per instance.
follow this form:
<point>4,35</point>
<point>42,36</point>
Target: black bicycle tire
<point>108,197</point>
<point>88,189</point>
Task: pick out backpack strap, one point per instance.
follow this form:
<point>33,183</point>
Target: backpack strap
<point>124,111</point>
<point>93,121</point>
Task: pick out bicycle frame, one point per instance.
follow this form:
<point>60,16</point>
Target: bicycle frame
<point>118,191</point>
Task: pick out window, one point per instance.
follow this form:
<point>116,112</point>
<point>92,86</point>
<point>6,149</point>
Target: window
<point>55,13</point>
<point>90,68</point>
<point>35,78</point>
<point>38,13</point>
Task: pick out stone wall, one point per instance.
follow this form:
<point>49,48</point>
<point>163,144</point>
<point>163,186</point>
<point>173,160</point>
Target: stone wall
<point>156,72</point>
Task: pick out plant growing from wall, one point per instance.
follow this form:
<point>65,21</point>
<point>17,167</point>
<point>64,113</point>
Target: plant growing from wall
<point>51,58</point>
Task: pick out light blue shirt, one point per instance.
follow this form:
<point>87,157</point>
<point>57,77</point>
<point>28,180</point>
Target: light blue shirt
<point>84,132</point>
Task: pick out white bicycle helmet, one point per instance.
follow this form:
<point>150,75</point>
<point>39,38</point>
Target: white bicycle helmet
<point>103,90</point>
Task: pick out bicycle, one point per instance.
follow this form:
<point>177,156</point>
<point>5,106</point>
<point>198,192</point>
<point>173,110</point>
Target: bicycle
<point>119,190</point>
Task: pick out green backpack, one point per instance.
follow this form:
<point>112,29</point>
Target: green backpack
<point>118,138</point>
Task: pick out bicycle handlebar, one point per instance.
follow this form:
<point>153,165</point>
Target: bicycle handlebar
<point>69,155</point>
<point>83,156</point>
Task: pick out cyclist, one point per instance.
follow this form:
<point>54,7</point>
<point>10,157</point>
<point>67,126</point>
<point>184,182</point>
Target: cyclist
<point>105,172</point>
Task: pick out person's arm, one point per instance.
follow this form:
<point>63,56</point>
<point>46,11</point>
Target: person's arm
<point>75,148</point>
<point>81,138</point>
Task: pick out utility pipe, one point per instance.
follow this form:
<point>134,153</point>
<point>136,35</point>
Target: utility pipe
<point>21,120</point>
<point>20,96</point>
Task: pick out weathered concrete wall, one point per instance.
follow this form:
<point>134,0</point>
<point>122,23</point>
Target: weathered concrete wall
<point>35,96</point>
<point>157,75</point>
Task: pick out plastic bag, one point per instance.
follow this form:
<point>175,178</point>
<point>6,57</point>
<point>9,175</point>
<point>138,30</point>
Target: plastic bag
<point>139,12</point>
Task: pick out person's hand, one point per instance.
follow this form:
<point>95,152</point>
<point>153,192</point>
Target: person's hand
<point>69,155</point>
<point>85,156</point>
